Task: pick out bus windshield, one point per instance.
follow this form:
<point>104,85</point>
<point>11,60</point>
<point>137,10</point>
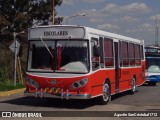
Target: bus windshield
<point>61,56</point>
<point>153,64</point>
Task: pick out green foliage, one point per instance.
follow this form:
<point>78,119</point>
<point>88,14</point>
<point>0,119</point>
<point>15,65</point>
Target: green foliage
<point>3,74</point>
<point>9,86</point>
<point>6,64</point>
<point>19,15</point>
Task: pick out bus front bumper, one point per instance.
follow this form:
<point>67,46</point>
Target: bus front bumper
<point>155,78</point>
<point>62,95</point>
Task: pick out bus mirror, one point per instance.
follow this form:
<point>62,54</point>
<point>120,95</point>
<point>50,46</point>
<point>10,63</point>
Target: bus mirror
<point>96,50</point>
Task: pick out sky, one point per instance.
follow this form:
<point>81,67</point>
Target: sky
<point>132,18</point>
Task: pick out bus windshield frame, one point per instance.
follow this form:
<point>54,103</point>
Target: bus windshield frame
<point>69,56</point>
<point>153,64</point>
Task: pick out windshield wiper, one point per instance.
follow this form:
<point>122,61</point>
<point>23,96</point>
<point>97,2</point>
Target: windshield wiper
<point>46,47</point>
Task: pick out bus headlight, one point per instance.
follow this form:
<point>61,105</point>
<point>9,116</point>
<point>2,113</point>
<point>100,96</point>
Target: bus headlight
<point>32,83</point>
<point>79,83</point>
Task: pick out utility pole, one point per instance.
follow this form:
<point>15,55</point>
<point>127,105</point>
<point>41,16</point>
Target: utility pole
<point>156,33</point>
<point>53,11</point>
<point>15,60</point>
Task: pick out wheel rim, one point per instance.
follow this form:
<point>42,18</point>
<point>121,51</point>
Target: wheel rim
<point>133,85</point>
<point>106,92</point>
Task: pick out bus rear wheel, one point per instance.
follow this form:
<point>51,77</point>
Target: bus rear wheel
<point>106,94</point>
<point>133,88</point>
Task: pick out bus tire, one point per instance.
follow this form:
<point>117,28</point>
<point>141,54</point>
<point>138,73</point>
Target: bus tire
<point>133,87</point>
<point>149,83</point>
<point>106,94</point>
<point>154,84</point>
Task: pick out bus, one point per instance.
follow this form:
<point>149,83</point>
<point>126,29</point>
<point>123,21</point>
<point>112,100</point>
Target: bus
<point>78,62</point>
<point>152,65</point>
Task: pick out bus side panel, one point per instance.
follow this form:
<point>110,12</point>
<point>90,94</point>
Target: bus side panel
<point>137,72</point>
<point>142,74</point>
<point>98,78</point>
<point>125,79</point>
<point>127,74</point>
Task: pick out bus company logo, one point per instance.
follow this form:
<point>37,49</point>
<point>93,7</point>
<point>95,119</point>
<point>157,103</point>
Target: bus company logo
<point>6,114</point>
<point>55,33</point>
<point>53,82</point>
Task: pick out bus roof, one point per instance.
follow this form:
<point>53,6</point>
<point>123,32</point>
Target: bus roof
<point>113,35</point>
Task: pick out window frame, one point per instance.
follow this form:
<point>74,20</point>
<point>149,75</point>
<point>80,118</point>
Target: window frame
<point>110,58</point>
<point>124,56</point>
<point>138,56</point>
<point>131,58</point>
<point>29,69</point>
<point>93,58</point>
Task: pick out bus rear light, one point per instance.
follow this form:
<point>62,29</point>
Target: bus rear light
<point>32,83</point>
<point>79,83</point>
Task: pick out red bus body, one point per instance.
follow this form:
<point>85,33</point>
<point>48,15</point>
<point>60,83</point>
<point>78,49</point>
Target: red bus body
<point>116,62</point>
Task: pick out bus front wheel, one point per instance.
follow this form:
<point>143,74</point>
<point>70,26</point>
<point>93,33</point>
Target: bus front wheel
<point>106,94</point>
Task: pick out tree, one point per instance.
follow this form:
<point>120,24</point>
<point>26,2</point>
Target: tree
<point>19,15</point>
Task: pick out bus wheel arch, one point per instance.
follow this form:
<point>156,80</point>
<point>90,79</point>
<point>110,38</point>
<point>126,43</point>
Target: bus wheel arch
<point>106,93</point>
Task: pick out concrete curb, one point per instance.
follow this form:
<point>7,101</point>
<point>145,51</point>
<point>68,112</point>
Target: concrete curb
<point>7,93</point>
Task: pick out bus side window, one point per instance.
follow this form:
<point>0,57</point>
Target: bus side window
<point>95,59</point>
<point>101,43</point>
<point>108,50</point>
<point>137,55</point>
<point>120,53</point>
<point>125,57</point>
<point>142,52</point>
<point>131,54</point>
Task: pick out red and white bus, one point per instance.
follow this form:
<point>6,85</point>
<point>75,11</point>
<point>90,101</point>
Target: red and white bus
<point>76,62</point>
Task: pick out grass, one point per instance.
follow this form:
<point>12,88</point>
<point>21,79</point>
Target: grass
<point>10,86</point>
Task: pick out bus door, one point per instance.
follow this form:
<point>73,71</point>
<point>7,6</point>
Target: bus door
<point>117,68</point>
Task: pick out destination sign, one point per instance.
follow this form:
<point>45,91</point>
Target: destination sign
<point>152,50</point>
<point>55,32</point>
